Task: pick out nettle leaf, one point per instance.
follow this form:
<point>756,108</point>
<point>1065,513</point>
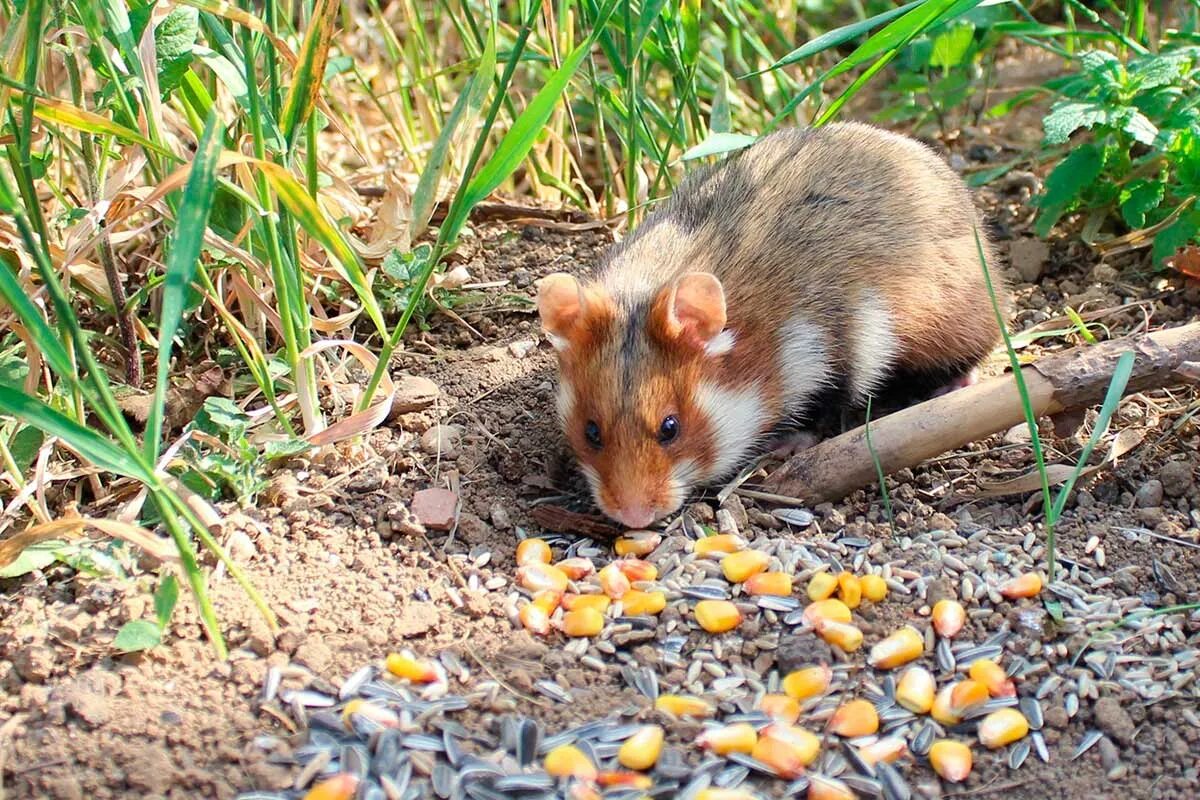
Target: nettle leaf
<point>165,598</point>
<point>1138,199</point>
<point>173,41</point>
<point>221,417</point>
<point>1070,178</point>
<point>24,446</point>
<point>1160,70</point>
<point>1182,232</point>
<point>1068,116</point>
<point>1138,126</point>
<point>137,635</point>
<point>285,448</point>
<point>1104,68</point>
<point>951,47</point>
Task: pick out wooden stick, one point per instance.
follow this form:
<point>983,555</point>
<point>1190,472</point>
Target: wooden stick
<point>1075,379</point>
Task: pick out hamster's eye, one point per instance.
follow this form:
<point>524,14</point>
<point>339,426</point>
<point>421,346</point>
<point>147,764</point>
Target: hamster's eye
<point>591,432</point>
<point>669,430</point>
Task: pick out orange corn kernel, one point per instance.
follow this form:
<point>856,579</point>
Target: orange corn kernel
<point>533,551</point>
<point>769,583</point>
<point>831,610</point>
<point>534,619</point>
<point>874,588</point>
<point>901,647</point>
<point>576,568</point>
<point>632,780</point>
<point>568,761</point>
<point>600,602</point>
<point>613,582</point>
<point>806,745</point>
<point>340,787</point>
<point>641,750</point>
<point>951,760</point>
<point>743,564</point>
<point>841,635</point>
<point>539,577</point>
<point>967,695</point>
<point>779,756</point>
<point>849,589</point>
<point>889,749</point>
<point>1002,727</point>
<point>916,690</point>
<point>948,618</point>
<point>683,705</point>
<point>993,676</point>
<point>637,543</point>
<point>821,586</point>
<point>780,707</point>
<point>1027,585</point>
<point>583,622</point>
<point>941,710</point>
<point>740,737</point>
<point>809,682</point>
<point>823,788</point>
<point>717,616</point>
<point>719,545</point>
<point>637,570</point>
<point>853,719</point>
<point>416,670</point>
<point>636,602</point>
<point>367,710</point>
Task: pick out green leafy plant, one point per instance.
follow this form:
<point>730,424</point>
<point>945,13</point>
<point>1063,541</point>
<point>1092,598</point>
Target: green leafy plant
<point>143,634</point>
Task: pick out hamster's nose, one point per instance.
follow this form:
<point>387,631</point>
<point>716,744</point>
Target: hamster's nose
<point>635,516</point>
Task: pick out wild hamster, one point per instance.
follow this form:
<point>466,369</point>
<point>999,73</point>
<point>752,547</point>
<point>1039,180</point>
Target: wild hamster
<point>840,258</point>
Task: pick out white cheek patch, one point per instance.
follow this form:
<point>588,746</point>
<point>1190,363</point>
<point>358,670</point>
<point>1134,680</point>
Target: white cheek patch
<point>565,403</point>
<point>684,476</point>
<point>803,360</point>
<point>720,344</point>
<point>873,347</point>
<point>557,342</point>
<point>737,418</point>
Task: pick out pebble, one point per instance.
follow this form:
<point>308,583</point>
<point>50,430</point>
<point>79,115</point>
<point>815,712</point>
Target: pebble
<point>1149,494</point>
<point>1112,718</point>
<point>435,508</point>
<point>1176,478</point>
<point>1028,258</point>
<point>442,440</point>
<point>413,393</point>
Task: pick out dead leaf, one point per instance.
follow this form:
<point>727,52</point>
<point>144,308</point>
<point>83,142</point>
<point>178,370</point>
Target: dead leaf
<point>13,546</point>
<point>1187,261</point>
<point>1122,443</point>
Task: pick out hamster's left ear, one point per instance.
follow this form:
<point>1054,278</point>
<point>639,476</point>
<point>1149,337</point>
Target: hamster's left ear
<point>692,311</point>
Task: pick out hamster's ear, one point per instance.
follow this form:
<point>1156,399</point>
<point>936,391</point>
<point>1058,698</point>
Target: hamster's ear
<point>692,311</point>
<point>561,306</point>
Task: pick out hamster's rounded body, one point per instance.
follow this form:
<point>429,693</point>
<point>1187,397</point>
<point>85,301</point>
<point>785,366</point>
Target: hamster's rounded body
<point>840,258</point>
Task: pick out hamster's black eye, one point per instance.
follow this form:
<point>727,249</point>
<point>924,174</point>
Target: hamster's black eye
<point>669,430</point>
<point>591,432</point>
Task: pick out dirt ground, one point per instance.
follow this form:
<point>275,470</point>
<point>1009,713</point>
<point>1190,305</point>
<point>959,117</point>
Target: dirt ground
<point>77,721</point>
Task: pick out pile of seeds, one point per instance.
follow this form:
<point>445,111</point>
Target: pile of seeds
<point>707,628</point>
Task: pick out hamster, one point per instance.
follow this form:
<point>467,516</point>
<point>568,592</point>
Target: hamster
<point>832,262</point>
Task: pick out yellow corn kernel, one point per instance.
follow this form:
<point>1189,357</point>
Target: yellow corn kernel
<point>805,745</point>
<point>637,570</point>
<point>772,583</point>
<point>637,543</point>
<point>823,788</point>
<point>725,794</point>
<point>600,602</point>
<point>533,551</point>
<point>741,565</point>
<point>719,545</point>
<point>547,601</point>
<point>577,567</point>
<point>967,695</point>
<point>779,756</point>
<point>378,714</point>
<point>809,682</point>
<point>631,780</point>
<point>916,690</point>
<point>951,760</point>
<point>841,635</point>
<point>854,718</point>
<point>683,705</point>
<point>821,586</point>
<point>717,616</point>
<point>941,709</point>
<point>874,588</point>
<point>583,622</point>
<point>1027,585</point>
<point>993,676</point>
<point>780,707</point>
<point>849,589</point>
<point>889,749</point>
<point>948,618</point>
<point>414,669</point>
<point>636,602</point>
<point>534,619</point>
<point>583,791</point>
<point>901,647</point>
<point>641,750</point>
<point>831,610</point>
<point>568,761</point>
<point>539,577</point>
<point>1002,727</point>
<point>740,737</point>
<point>340,787</point>
<point>613,582</point>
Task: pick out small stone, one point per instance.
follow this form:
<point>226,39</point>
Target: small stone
<point>1176,478</point>
<point>1150,494</point>
<point>34,663</point>
<point>442,440</point>
<point>413,393</point>
<point>1017,434</point>
<point>522,348</point>
<point>500,517</point>
<point>1056,718</point>
<point>1105,273</point>
<point>520,278</point>
<point>401,520</point>
<point>1112,718</point>
<point>315,655</point>
<point>1028,258</point>
<point>435,508</point>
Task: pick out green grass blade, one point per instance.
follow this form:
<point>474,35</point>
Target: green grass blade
<point>838,36</point>
<point>718,144</point>
<point>190,223</point>
<point>309,73</point>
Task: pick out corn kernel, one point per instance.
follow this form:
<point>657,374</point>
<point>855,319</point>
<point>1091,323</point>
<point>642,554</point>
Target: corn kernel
<point>950,759</point>
<point>340,787</point>
<point>683,705</point>
<point>637,570</point>
<point>725,794</point>
<point>941,710</point>
<point>583,791</point>
<point>805,745</point>
<point>583,622</point>
<point>1002,727</point>
<point>741,565</point>
<point>613,582</point>
<point>874,588</point>
<point>948,618</point>
<point>414,669</point>
<point>849,589</point>
<point>823,788</point>
<point>384,717</point>
<point>780,707</point>
<point>547,601</point>
<point>568,761</point>
<point>854,718</point>
<point>600,602</point>
<point>636,602</point>
<point>533,551</point>
<point>993,676</point>
<point>740,737</point>
<point>637,543</point>
<point>641,750</point>
<point>769,583</point>
<point>719,545</point>
<point>841,635</point>
<point>534,619</point>
<point>779,756</point>
<point>1027,585</point>
<point>831,610</point>
<point>916,690</point>
<point>717,616</point>
<point>889,749</point>
<point>576,568</point>
<point>632,780</point>
<point>898,649</point>
<point>821,586</point>
<point>967,695</point>
<point>809,682</point>
<point>539,577</point>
